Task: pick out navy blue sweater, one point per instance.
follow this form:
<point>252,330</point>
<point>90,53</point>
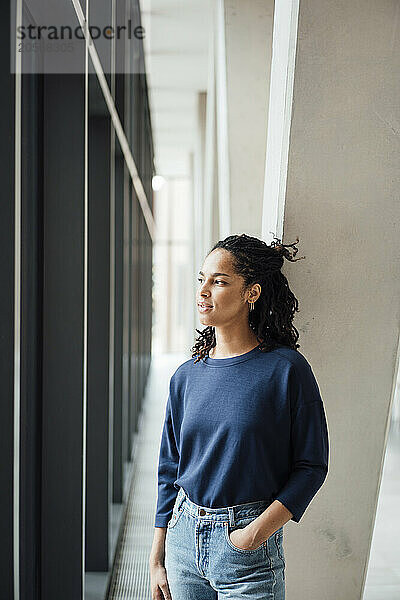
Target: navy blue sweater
<point>240,429</point>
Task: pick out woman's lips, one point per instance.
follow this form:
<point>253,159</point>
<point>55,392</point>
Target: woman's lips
<point>204,309</point>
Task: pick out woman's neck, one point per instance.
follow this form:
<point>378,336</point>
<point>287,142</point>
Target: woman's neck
<point>233,347</point>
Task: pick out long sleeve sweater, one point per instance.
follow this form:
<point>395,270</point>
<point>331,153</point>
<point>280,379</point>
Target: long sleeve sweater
<point>241,429</point>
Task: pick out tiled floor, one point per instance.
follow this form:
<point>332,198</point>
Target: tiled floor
<point>383,575</point>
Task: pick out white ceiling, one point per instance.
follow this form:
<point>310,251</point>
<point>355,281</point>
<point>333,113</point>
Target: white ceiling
<point>176,46</point>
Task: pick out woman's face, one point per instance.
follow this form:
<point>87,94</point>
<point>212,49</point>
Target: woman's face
<point>220,289</point>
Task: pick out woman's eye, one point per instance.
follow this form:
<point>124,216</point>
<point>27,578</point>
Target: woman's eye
<point>216,281</point>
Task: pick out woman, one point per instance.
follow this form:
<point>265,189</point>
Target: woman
<point>244,446</point>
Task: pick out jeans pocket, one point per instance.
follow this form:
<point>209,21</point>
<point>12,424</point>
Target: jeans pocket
<point>279,544</point>
<point>240,525</point>
<point>176,515</point>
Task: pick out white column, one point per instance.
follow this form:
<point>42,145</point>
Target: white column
<point>210,152</point>
<point>340,185</point>
<point>201,151</point>
<point>223,166</point>
<point>198,180</point>
<point>279,117</point>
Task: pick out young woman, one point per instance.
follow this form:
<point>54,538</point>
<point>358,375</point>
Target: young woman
<point>244,446</point>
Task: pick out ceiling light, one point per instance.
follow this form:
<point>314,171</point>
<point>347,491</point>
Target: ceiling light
<point>157,182</point>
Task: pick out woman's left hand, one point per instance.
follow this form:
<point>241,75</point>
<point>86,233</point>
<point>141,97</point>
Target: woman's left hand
<point>241,539</point>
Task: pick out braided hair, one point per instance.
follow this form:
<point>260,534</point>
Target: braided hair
<point>271,319</point>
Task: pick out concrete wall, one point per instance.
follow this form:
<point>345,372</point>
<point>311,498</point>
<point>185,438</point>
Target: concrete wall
<point>342,200</point>
<point>243,45</point>
<point>248,39</point>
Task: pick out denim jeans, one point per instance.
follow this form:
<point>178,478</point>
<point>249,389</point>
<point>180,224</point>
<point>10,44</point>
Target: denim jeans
<point>202,563</point>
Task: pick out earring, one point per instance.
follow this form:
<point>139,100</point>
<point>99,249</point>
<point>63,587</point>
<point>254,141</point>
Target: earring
<point>251,305</point>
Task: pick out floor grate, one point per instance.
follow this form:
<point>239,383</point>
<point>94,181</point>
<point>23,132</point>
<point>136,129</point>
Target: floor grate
<point>130,577</point>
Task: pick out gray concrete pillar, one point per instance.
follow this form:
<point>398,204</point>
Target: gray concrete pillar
<point>243,57</point>
<point>341,199</point>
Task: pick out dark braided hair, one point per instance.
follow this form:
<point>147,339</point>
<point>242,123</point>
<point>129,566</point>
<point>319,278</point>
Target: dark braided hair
<point>272,316</point>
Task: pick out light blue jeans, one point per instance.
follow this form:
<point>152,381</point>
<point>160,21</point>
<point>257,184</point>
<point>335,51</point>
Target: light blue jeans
<point>203,564</point>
